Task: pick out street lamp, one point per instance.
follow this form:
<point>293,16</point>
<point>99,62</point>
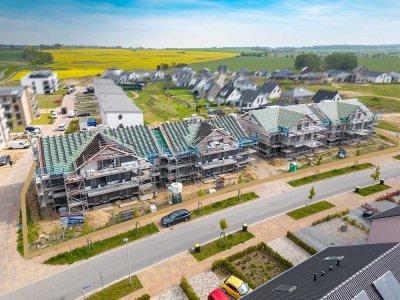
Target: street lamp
<point>125,240</point>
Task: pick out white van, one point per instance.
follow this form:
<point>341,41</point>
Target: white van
<point>71,114</point>
<point>62,127</point>
<point>18,144</point>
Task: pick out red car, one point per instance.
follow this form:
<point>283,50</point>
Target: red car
<point>217,294</point>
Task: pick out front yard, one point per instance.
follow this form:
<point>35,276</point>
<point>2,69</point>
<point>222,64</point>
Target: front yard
<point>372,189</point>
<point>44,119</point>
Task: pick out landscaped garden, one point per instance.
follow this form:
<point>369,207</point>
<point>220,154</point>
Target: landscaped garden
<point>45,118</point>
<point>117,290</point>
<point>372,189</point>
<point>310,210</point>
<point>49,101</point>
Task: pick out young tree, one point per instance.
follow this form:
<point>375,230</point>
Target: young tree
<point>312,194</point>
<point>223,224</point>
<point>375,175</point>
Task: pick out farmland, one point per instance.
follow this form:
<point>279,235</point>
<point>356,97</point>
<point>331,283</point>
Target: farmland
<point>70,63</point>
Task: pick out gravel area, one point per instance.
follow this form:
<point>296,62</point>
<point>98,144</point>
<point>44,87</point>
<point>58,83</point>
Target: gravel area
<point>204,283</point>
<point>333,228</point>
<point>174,293</point>
<point>289,250</point>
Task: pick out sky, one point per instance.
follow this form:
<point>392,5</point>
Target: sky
<point>199,23</point>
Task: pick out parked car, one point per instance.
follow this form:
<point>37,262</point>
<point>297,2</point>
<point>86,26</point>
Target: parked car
<point>4,160</point>
<point>217,294</point>
<point>32,129</point>
<point>71,114</point>
<point>18,144</point>
<point>83,114</point>
<point>368,213</point>
<point>54,114</point>
<point>71,90</point>
<point>64,110</point>
<point>177,216</point>
<point>235,287</point>
<point>62,127</point>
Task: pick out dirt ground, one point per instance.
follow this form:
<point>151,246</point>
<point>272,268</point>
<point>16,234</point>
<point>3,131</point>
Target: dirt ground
<point>15,154</point>
<point>392,118</point>
<point>81,81</point>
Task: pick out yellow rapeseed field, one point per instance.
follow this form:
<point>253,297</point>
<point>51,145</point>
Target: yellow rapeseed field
<point>79,62</point>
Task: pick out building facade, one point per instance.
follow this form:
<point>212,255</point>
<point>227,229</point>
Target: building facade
<point>41,82</point>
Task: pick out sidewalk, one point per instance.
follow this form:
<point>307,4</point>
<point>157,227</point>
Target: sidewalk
<point>161,277</point>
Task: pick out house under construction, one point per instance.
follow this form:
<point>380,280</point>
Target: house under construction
<point>80,170</point>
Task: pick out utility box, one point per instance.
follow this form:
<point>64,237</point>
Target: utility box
<point>244,227</point>
<point>382,181</point>
<point>197,248</point>
<point>153,208</point>
<point>293,167</point>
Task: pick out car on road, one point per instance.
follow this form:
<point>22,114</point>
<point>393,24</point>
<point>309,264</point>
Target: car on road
<point>54,114</point>
<point>4,160</point>
<point>217,294</point>
<point>235,287</point>
<point>18,144</point>
<point>71,114</point>
<point>83,114</point>
<point>62,126</point>
<point>177,216</point>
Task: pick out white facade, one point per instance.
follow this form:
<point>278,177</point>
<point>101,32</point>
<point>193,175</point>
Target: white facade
<point>260,101</point>
<point>382,78</point>
<point>233,98</point>
<point>276,93</point>
<point>41,82</point>
<point>115,119</point>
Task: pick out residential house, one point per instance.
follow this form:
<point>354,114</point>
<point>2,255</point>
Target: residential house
<point>338,75</point>
<point>228,95</point>
<point>203,87</point>
<point>222,69</point>
<point>86,169</point>
<point>116,108</point>
<point>213,92</point>
<point>242,72</point>
<point>283,130</point>
<point>281,75</point>
<point>324,95</point>
<point>251,99</point>
<point>122,77</point>
<point>18,107</point>
<point>395,77</point>
<point>183,77</point>
<point>41,82</point>
<point>262,73</point>
<point>271,90</point>
<point>363,75</point>
<point>359,272</point>
<point>313,78</point>
<point>243,84</point>
<point>297,95</point>
<point>385,227</point>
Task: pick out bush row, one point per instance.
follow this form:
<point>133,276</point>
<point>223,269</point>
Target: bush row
<point>299,242</point>
<point>188,290</point>
<point>226,264</point>
<point>355,223</point>
<point>327,218</point>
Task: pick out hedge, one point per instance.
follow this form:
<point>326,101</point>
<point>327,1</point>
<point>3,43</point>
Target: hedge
<point>356,223</point>
<point>327,218</point>
<point>299,242</point>
<point>188,290</point>
<point>144,297</point>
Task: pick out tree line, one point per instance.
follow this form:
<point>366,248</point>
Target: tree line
<point>37,57</point>
<point>337,61</point>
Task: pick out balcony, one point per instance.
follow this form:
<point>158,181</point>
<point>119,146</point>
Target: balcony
<point>219,163</point>
<point>111,187</point>
<point>90,174</point>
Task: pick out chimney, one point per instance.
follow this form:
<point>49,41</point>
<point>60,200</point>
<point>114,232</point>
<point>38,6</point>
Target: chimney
<point>315,276</point>
<point>322,273</point>
<point>330,268</point>
<point>338,262</point>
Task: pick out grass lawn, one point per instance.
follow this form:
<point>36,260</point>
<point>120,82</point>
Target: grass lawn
<point>101,246</point>
<point>44,119</point>
<point>380,104</point>
<point>388,126</point>
<point>310,210</point>
<point>73,126</point>
<point>329,174</point>
<point>397,157</point>
<point>49,101</point>
<point>372,189</point>
<point>208,209</point>
<point>117,290</point>
<point>220,245</point>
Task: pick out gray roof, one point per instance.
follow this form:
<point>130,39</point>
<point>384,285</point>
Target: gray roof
<point>393,212</point>
<point>322,95</point>
<point>111,97</point>
<point>11,90</point>
<point>359,267</point>
<point>249,96</point>
<point>40,74</point>
<point>268,87</point>
<point>298,93</point>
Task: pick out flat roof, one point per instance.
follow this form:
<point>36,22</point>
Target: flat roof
<point>112,98</point>
<point>11,90</point>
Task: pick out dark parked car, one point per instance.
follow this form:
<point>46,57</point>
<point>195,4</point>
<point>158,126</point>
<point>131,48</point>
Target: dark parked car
<point>178,216</point>
<point>83,114</point>
<point>32,129</point>
<point>4,160</point>
<point>368,213</point>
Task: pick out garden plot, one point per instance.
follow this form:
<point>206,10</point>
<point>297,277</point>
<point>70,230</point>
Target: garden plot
<point>174,293</point>
<point>204,283</point>
<point>330,233</point>
<point>289,250</point>
<point>356,213</point>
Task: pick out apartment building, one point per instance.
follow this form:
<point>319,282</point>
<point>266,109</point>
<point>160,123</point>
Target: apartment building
<point>18,107</point>
<point>41,82</point>
<point>91,168</point>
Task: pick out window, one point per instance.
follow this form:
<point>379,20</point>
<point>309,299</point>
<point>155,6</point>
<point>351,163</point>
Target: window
<point>16,107</point>
<point>298,126</point>
<point>14,100</point>
<point>18,116</point>
<point>120,117</point>
<point>306,124</point>
<point>307,137</point>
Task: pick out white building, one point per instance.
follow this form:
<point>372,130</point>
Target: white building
<point>116,108</point>
<point>41,82</point>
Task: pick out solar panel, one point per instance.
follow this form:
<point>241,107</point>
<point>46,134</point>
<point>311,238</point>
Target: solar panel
<point>361,296</point>
<point>385,289</point>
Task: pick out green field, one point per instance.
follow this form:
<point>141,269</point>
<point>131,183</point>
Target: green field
<point>249,62</point>
<point>381,64</point>
<point>10,55</point>
<point>380,104</point>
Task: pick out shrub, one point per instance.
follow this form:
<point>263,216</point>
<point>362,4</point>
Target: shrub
<point>299,242</point>
<point>188,290</point>
<point>327,218</point>
<point>144,297</point>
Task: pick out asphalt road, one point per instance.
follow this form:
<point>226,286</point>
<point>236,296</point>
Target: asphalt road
<point>68,284</point>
